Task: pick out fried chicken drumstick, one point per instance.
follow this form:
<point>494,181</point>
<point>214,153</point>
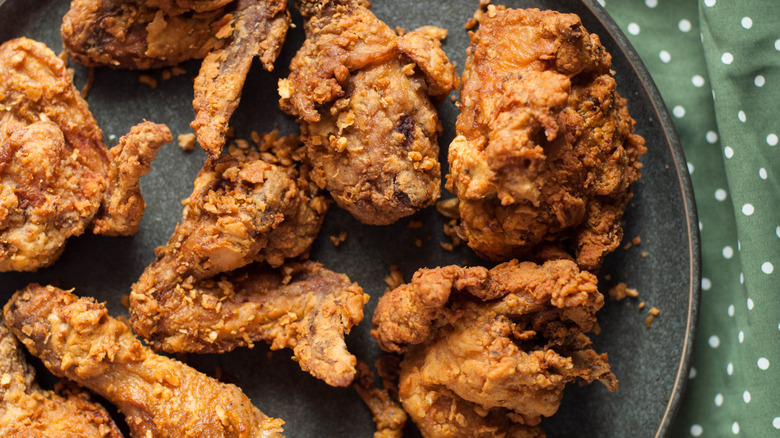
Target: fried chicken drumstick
<point>488,352</point>
<point>56,175</point>
<point>160,397</point>
<point>362,95</point>
<point>194,297</point>
<point>545,151</point>
<point>27,410</point>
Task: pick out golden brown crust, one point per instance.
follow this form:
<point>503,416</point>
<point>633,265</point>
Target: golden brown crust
<point>362,95</point>
<point>545,150</point>
<point>52,158</point>
<point>389,416</point>
<point>160,397</point>
<point>143,34</point>
<point>26,410</point>
<point>123,206</point>
<point>488,352</point>
<point>259,28</point>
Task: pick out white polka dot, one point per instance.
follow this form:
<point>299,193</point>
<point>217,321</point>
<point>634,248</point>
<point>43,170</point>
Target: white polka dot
<point>720,195</point>
<point>633,29</point>
<point>739,246</point>
<point>719,399</point>
<point>767,267</point>
<point>728,252</point>
<point>731,310</point>
<point>776,422</point>
<point>727,58</point>
<point>762,173</point>
<point>678,111</point>
<point>777,231</point>
<point>777,45</point>
<point>706,284</point>
<point>748,209</point>
<point>741,278</point>
<point>690,168</point>
<point>747,23</point>
<point>651,3</point>
<point>746,396</point>
<point>714,341</point>
<point>665,56</point>
<point>759,81</point>
<point>742,117</point>
<point>750,304</point>
<point>763,363</point>
<point>712,137</point>
<point>709,3</point>
<point>735,428</point>
<point>692,373</point>
<point>602,3</point>
<point>684,25</point>
<point>702,226</point>
<point>698,81</point>
<point>696,430</point>
<point>741,336</point>
<point>771,139</point>
<point>728,152</point>
<point>730,369</point>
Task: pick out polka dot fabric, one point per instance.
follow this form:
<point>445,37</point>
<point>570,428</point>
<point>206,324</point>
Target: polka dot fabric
<point>717,65</point>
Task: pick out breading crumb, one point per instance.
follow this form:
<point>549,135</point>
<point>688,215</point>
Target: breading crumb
<point>596,328</point>
<point>448,208</point>
<point>621,291</point>
<point>644,254</point>
<point>395,279</point>
<point>636,240</point>
<point>148,80</point>
<point>654,311</point>
<point>187,141</point>
<point>648,321</point>
<point>125,300</point>
<point>641,305</point>
<point>418,243</point>
<point>446,246</point>
<point>415,225</point>
<point>450,229</point>
<point>88,85</point>
<point>336,240</point>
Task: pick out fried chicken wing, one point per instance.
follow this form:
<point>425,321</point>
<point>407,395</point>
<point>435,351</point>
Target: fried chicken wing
<point>545,151</point>
<point>302,306</point>
<point>362,95</point>
<point>27,410</point>
<point>259,30</point>
<point>160,397</point>
<point>194,297</point>
<point>144,34</point>
<point>55,170</point>
<point>488,352</point>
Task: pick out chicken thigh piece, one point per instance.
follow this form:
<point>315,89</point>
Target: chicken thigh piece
<point>27,410</point>
<point>56,175</point>
<point>362,95</point>
<point>160,397</point>
<point>489,352</point>
<point>545,152</point>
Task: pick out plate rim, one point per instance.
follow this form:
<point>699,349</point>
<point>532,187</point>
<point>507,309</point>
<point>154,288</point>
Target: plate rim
<point>689,206</point>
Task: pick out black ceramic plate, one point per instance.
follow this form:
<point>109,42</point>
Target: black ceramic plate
<point>652,364</point>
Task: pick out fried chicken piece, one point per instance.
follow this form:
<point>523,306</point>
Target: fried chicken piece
<point>488,352</point>
<point>545,151</point>
<point>259,29</point>
<point>123,206</point>
<point>389,416</point>
<point>27,410</point>
<point>55,170</point>
<point>362,95</point>
<point>245,210</point>
<point>160,397</point>
<point>302,306</point>
<point>144,34</point>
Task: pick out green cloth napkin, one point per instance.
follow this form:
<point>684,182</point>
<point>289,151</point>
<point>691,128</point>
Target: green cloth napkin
<point>717,65</point>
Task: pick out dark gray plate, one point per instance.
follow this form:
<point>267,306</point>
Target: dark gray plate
<point>652,364</point>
